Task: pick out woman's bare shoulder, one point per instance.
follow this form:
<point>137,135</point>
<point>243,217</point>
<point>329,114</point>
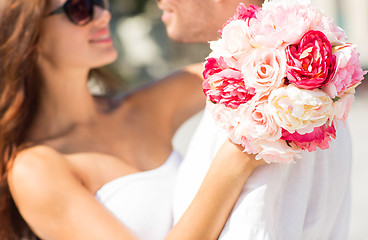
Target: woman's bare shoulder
<point>31,160</point>
<point>36,174</point>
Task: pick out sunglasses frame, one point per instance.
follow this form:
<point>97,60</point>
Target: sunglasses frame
<point>63,9</point>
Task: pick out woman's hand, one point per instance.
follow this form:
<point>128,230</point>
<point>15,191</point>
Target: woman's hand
<point>220,189</point>
<point>234,159</point>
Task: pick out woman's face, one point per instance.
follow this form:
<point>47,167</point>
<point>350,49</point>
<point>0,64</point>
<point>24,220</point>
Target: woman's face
<point>66,45</point>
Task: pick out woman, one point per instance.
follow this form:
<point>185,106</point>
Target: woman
<point>79,167</point>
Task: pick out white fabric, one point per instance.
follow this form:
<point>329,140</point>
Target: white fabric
<point>309,199</point>
<point>143,201</point>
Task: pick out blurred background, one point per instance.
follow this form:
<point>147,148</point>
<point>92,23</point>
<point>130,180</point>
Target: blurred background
<point>146,54</point>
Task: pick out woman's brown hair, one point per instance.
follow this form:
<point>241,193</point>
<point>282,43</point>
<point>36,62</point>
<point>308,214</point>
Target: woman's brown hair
<point>20,23</point>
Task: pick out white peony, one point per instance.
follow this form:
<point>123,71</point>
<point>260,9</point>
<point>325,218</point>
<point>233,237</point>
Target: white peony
<point>300,110</point>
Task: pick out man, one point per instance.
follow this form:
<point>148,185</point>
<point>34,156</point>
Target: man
<point>308,199</point>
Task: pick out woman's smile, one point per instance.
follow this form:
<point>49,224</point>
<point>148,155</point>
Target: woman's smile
<point>101,36</point>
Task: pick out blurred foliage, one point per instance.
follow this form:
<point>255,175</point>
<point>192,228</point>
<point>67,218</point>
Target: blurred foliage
<point>127,7</point>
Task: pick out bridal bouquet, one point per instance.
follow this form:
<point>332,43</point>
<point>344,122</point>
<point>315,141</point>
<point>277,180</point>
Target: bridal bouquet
<point>280,78</point>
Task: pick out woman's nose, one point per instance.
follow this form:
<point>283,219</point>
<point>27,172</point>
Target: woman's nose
<point>101,15</point>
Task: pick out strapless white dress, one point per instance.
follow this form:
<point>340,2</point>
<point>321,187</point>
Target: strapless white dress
<point>143,201</point>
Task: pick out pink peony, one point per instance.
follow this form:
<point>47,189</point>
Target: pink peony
<point>310,64</point>
<point>225,85</point>
<point>341,108</point>
<point>224,117</point>
<point>244,13</point>
<point>279,24</point>
<point>334,33</point>
<point>278,151</point>
<point>310,141</point>
<point>269,151</point>
<point>214,66</point>
<point>349,72</point>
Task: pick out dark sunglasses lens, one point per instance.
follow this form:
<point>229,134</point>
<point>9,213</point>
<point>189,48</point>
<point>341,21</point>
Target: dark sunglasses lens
<point>79,11</point>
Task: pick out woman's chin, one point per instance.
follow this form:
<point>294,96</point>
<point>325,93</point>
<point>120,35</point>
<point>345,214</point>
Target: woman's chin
<point>106,59</point>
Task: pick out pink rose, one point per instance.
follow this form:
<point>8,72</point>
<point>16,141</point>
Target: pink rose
<point>225,85</point>
<point>256,122</point>
<point>310,141</point>
<point>349,72</point>
<point>224,117</point>
<point>310,64</point>
<point>264,69</point>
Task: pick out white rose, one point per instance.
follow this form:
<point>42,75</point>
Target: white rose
<point>234,40</point>
<point>235,36</point>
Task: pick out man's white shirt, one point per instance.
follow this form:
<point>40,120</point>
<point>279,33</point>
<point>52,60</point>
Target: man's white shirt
<point>308,199</point>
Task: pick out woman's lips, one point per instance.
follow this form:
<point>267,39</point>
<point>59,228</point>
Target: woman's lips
<point>101,36</point>
<point>102,40</point>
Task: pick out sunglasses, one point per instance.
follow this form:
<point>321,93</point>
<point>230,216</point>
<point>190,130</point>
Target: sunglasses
<point>80,12</point>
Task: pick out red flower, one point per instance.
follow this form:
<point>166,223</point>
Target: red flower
<point>310,64</point>
<point>225,85</point>
<point>310,141</point>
